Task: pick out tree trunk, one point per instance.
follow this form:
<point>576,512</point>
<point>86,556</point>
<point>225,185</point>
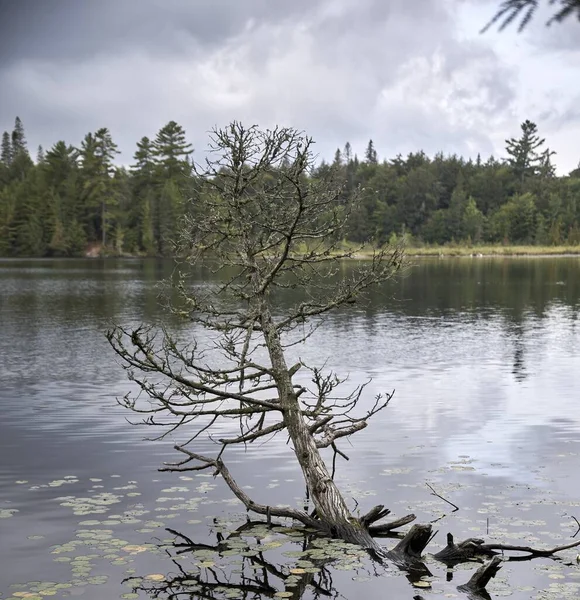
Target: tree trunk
<point>330,506</point>
<point>103,224</point>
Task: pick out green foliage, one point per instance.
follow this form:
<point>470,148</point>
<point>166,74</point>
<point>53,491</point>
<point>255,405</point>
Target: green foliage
<point>6,150</point>
<point>515,221</point>
<point>524,158</point>
<point>73,198</point>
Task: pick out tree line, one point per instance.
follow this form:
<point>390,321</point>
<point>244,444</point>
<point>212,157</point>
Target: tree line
<point>70,199</point>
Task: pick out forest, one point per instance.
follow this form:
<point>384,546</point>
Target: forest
<point>70,201</point>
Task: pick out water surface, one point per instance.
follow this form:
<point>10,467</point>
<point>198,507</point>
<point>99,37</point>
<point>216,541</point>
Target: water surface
<point>482,353</point>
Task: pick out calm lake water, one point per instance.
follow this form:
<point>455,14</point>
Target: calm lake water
<point>483,354</point>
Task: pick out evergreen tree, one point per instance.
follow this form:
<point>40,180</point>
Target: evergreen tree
<point>72,197</point>
<point>6,153</point>
<point>29,227</point>
<point>97,154</point>
<point>106,150</point>
<point>59,165</point>
<point>347,153</point>
<point>473,222</point>
<point>170,208</point>
<point>7,214</point>
<point>146,233</point>
<point>546,169</point>
<point>20,161</point>
<point>144,167</point>
<point>145,196</point>
<point>456,214</point>
<point>371,154</point>
<point>171,152</point>
<point>524,157</point>
<point>18,138</point>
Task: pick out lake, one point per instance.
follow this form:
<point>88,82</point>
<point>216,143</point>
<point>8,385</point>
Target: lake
<point>483,354</point>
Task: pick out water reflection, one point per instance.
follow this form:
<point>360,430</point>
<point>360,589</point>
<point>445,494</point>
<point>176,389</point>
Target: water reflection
<point>483,355</point>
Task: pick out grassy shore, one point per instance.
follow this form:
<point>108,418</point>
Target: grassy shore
<point>427,251</point>
<point>495,250</point>
<point>478,251</point>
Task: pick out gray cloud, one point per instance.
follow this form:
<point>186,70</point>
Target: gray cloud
<point>400,72</point>
<point>65,29</point>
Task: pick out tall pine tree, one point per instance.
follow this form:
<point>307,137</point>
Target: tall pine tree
<point>97,153</point>
<point>524,157</point>
<point>6,153</point>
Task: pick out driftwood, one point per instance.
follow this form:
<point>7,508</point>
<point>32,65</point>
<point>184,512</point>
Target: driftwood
<point>407,554</point>
<point>475,548</point>
<point>475,587</point>
<point>380,512</point>
<point>412,545</point>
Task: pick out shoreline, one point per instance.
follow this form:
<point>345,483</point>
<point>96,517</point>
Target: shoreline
<point>486,252</point>
<point>491,252</point>
<point>362,254</point>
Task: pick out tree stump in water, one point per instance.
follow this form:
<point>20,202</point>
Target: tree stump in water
<point>407,554</point>
<point>475,587</point>
<point>466,550</point>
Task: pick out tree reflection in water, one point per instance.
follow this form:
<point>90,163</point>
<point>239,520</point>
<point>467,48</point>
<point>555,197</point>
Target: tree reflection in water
<point>250,574</point>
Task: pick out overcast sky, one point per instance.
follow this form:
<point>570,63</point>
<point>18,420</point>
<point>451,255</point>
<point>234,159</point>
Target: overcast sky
<point>410,74</point>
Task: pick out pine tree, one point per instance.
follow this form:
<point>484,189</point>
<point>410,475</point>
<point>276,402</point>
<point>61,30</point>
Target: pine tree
<point>60,170</point>
<point>21,161</point>
<point>347,153</point>
<point>97,154</point>
<point>6,154</point>
<point>7,211</point>
<point>144,166</point>
<point>170,208</point>
<point>120,211</point>
<point>524,157</point>
<point>29,233</point>
<point>18,138</point>
<point>60,162</point>
<point>145,195</point>
<point>147,235</point>
<point>371,154</point>
<point>546,169</point>
<point>106,150</point>
<point>171,151</point>
<point>40,155</point>
<point>173,170</point>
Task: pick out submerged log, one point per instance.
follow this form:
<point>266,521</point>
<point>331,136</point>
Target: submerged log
<point>466,550</point>
<point>413,544</point>
<point>407,554</point>
<point>475,587</point>
<point>472,548</point>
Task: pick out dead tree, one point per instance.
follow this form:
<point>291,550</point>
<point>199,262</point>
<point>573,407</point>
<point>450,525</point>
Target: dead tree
<point>267,223</point>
